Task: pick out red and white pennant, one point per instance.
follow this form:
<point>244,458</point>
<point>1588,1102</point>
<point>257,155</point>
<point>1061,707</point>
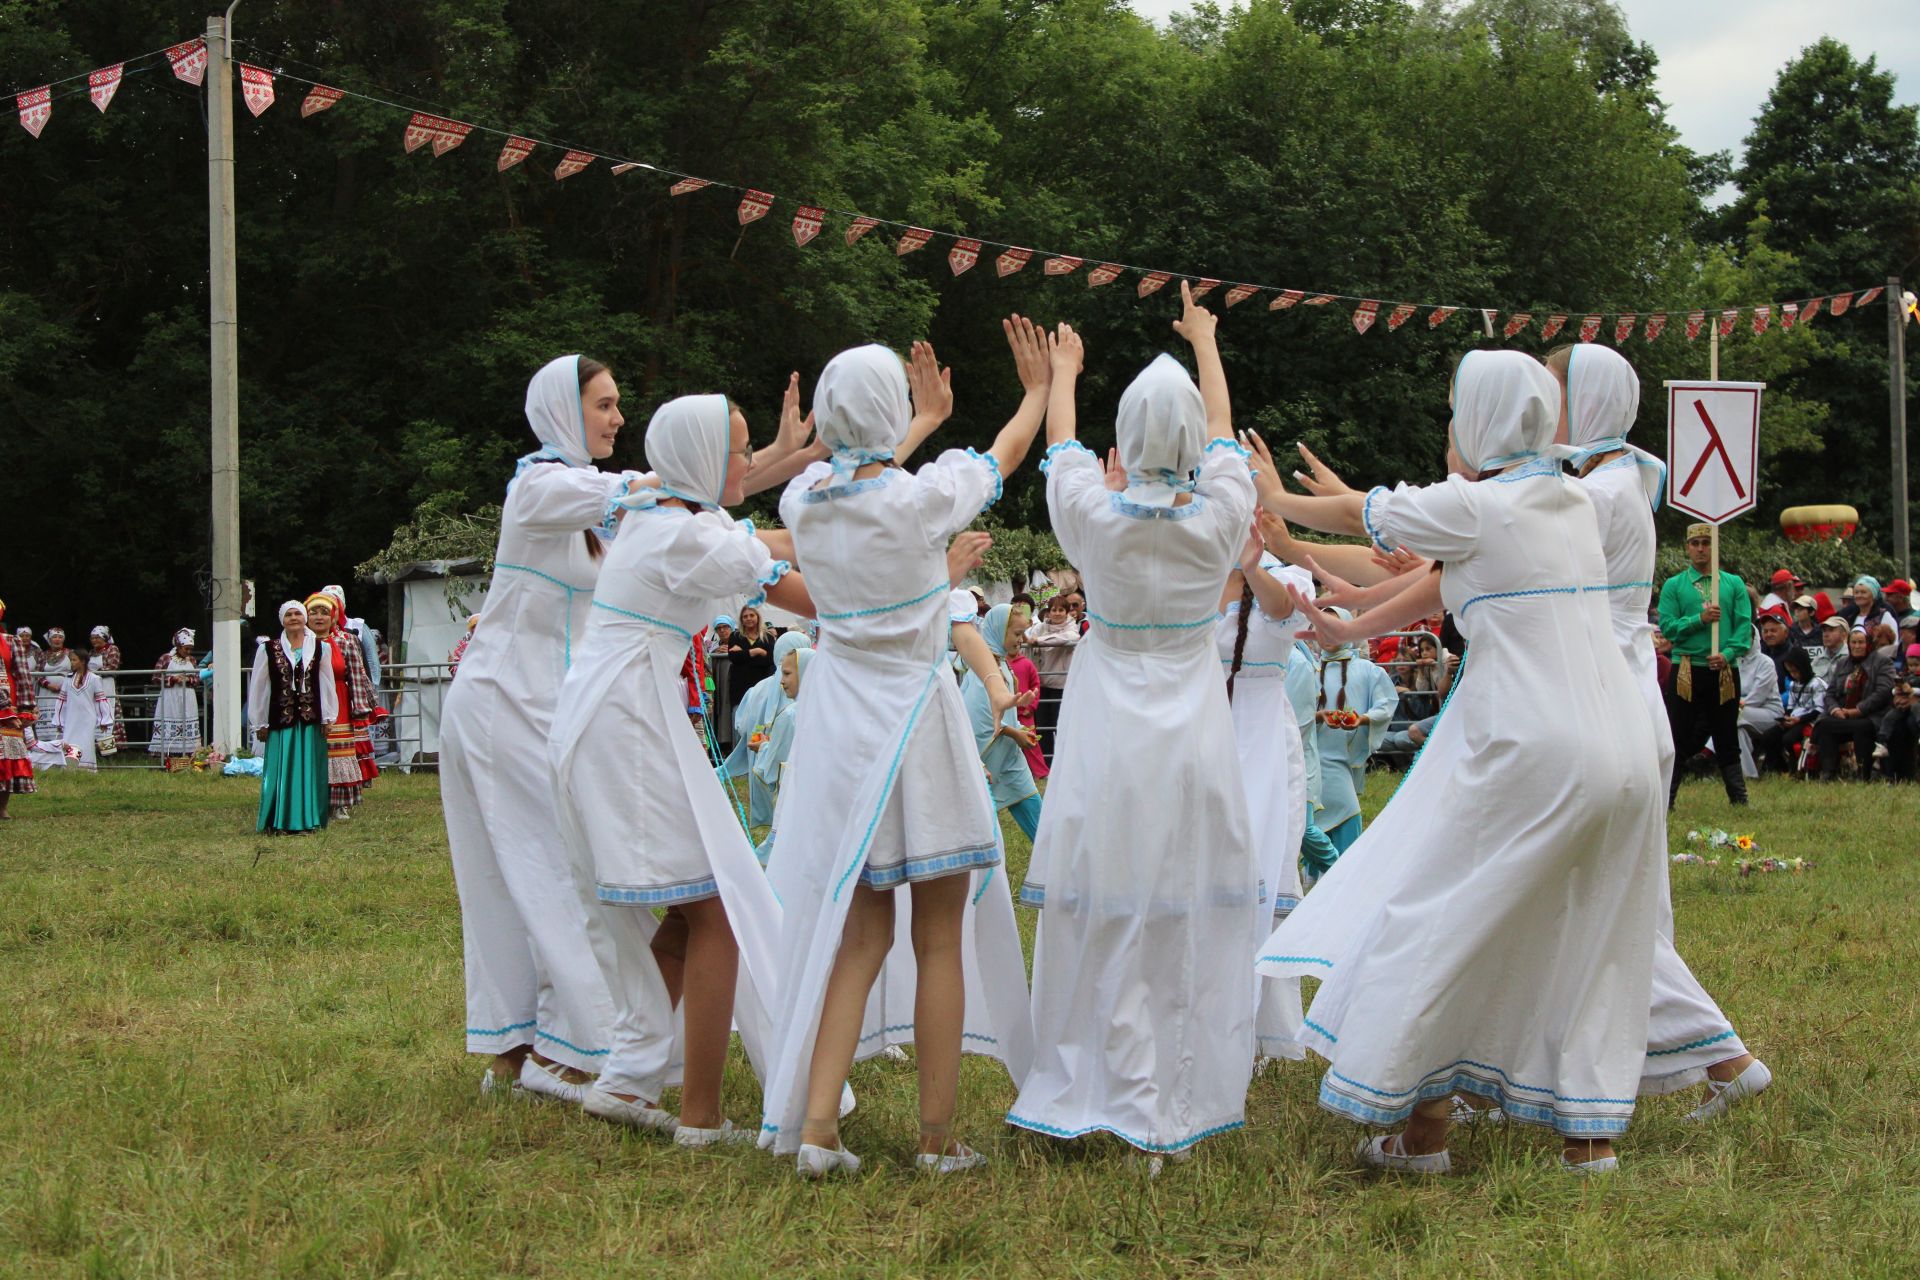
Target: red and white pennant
<point>103,84</point>
<point>256,88</point>
<point>189,60</point>
<point>36,108</point>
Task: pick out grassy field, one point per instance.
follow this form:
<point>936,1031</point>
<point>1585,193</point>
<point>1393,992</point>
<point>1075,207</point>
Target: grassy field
<point>243,1057</point>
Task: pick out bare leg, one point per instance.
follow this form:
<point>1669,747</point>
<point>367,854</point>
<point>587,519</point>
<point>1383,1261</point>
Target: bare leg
<point>1426,1131</point>
<point>507,1065</point>
<point>864,943</point>
<point>1730,1070</point>
<point>670,952</point>
<point>572,1075</point>
<point>1582,1150</point>
<point>712,963</point>
<point>939,1004</point>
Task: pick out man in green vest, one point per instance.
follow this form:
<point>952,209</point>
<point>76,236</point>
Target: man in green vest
<point>1703,692</point>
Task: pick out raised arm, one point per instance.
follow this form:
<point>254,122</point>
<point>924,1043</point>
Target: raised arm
<point>791,450</point>
<point>1272,594</point>
<point>1030,357</point>
<point>1421,600</point>
<point>932,389</point>
<point>1067,356</point>
<point>1338,513</point>
<point>1196,324</point>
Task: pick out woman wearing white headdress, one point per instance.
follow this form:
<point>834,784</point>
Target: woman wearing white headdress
<point>1145,865</point>
<point>888,789</point>
<point>290,700</point>
<point>641,811</point>
<point>1492,932</point>
<point>104,660</point>
<point>176,713</point>
<point>535,997</point>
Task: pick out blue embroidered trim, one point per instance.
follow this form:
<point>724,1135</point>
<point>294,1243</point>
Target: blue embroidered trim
<point>846,490</point>
<point>1226,442</point>
<point>1521,1109</point>
<point>1295,960</point>
<point>1154,626</point>
<point>1366,519</point>
<point>1483,1066</point>
<point>1695,1044</point>
<point>1141,511</point>
<point>1629,586</point>
<point>928,594</point>
<point>906,735</point>
<point>1046,459</point>
<point>1033,895</point>
<point>928,868</point>
<point>770,575</point>
<point>902,1026</point>
<point>1551,591</point>
<point>986,880</point>
<point>571,591</point>
<point>745,526</point>
<point>1284,903</point>
<point>1181,1145</point>
<point>1310,1023</point>
<point>686,891</point>
<point>585,1053</point>
<point>506,1030</point>
<point>641,617</point>
<point>999,486</point>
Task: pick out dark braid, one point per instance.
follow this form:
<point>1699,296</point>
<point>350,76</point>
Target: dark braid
<point>1240,636</point>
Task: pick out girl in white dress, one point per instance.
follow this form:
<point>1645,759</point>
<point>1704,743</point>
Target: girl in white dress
<point>1492,932</point>
<point>83,713</point>
<point>1255,638</point>
<point>1145,863</point>
<point>641,810</point>
<point>888,788</point>
<point>176,713</point>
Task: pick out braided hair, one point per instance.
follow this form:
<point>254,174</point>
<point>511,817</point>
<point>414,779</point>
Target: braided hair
<point>1240,635</point>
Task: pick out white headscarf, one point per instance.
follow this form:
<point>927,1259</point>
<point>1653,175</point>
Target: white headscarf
<point>553,411</point>
<point>862,406</point>
<point>101,633</point>
<point>183,636</point>
<point>1603,398</point>
<point>1161,430</point>
<point>687,447</point>
<point>1505,410</point>
<point>297,606</point>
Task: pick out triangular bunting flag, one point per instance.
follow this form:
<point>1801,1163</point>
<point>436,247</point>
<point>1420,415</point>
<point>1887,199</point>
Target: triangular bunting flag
<point>1402,312</point>
<point>1364,315</point>
<point>1813,307</point>
<point>914,238</point>
<point>1869,295</point>
<point>1590,328</point>
<point>1240,293</point>
<point>1695,319</point>
<point>1105,273</point>
<point>860,227</point>
<point>1062,266</point>
<point>1762,316</point>
<point>189,60</point>
<point>419,131</point>
<point>1438,316</point>
<point>1202,288</point>
<point>807,221</point>
<point>36,108</point>
<point>1319,299</point>
<point>754,206</point>
<point>1011,261</point>
<point>1287,298</point>
<point>1553,325</point>
<point>516,150</point>
<point>1623,328</point>
<point>450,135</point>
<point>571,163</point>
<point>256,87</point>
<point>963,255</point>
<point>1789,314</point>
<point>1152,283</point>
<point>1656,325</point>
<point>103,84</point>
<point>1515,323</point>
<point>1727,320</point>
<point>1838,307</point>
<point>318,99</point>
<point>687,186</point>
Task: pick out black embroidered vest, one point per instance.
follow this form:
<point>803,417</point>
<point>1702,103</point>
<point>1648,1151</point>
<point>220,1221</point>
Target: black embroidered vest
<point>296,690</point>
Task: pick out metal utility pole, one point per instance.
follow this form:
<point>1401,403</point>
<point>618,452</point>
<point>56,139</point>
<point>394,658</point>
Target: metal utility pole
<point>1897,420</point>
<point>223,324</point>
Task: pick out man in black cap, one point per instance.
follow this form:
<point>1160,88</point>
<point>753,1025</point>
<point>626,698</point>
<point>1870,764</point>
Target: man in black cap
<point>1703,693</point>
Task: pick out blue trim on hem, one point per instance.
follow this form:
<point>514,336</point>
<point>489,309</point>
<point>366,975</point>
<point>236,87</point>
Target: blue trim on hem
<point>585,1053</point>
<point>689,891</point>
<point>1330,1037</point>
<point>1728,1034</point>
<point>509,1029</point>
<point>1520,1109</point>
<point>1053,1131</point>
<point>1295,960</point>
<point>931,868</point>
<point>893,770</point>
<point>1033,895</point>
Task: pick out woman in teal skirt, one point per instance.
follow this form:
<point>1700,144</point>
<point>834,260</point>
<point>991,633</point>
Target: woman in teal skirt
<point>291,704</point>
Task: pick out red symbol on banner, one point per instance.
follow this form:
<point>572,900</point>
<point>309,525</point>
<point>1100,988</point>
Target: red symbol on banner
<point>1062,266</point>
<point>1589,328</point>
<point>1287,298</point>
<point>1727,319</point>
<point>1402,312</point>
<point>516,150</point>
<point>1789,314</point>
<point>1011,261</point>
<point>571,163</point>
<point>1105,273</point>
<point>687,186</point>
<point>1240,293</point>
<point>318,99</point>
<point>914,238</point>
<point>1204,287</point>
<point>1623,328</point>
<point>1552,326</point>
<point>963,255</point>
<point>1516,323</point>
<point>450,134</point>
<point>754,206</point>
<point>36,108</point>
<point>1656,324</point>
<point>1153,281</point>
<point>1813,308</point>
<point>1714,445</point>
<point>1761,317</point>
<point>1838,307</point>
<point>1869,295</point>
<point>1319,300</point>
<point>189,60</point>
<point>419,132</point>
<point>1364,315</point>
<point>807,221</point>
<point>860,227</point>
<point>103,84</point>
<point>1695,320</point>
<point>1439,315</point>
<point>256,86</point>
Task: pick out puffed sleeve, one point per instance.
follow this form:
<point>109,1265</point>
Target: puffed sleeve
<point>715,558</point>
<point>962,607</point>
<point>1076,486</point>
<point>1438,521</point>
<point>550,498</point>
<point>259,686</point>
<point>1224,480</point>
<point>951,491</point>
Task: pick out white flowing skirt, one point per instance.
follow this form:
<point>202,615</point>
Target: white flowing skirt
<point>1273,767</point>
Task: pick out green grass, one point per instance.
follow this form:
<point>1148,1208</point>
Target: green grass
<point>243,1057</point>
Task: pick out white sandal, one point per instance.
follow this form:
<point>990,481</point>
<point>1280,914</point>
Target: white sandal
<point>1387,1151</point>
<point>960,1161</point>
<point>1721,1095</point>
<point>818,1162</point>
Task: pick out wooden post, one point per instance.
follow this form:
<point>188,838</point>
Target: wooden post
<point>224,366</point>
<point>1713,562</point>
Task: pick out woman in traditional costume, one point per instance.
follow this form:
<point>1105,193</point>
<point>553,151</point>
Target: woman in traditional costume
<point>291,700</point>
<point>1351,715</point>
<point>176,713</point>
<point>1003,740</point>
<point>18,708</point>
<point>104,658</point>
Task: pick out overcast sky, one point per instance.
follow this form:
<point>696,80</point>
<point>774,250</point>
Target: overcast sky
<point>1718,58</point>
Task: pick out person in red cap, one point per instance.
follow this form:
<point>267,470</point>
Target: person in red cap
<point>1899,597</point>
<point>1782,588</point>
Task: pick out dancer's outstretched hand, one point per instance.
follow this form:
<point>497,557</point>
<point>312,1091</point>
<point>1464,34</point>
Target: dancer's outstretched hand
<point>1252,549</point>
<point>1031,356</point>
<point>930,385</point>
<point>1196,324</point>
<point>1401,561</point>
<point>1279,538</point>
<point>1116,475</point>
<point>1329,629</point>
<point>966,553</point>
<point>1320,479</point>
<point>1334,590</point>
<point>1266,476</point>
<point>1068,353</point>
<point>795,430</point>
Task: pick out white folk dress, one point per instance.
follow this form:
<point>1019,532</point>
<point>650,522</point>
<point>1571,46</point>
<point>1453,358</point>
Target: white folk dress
<point>640,806</point>
<point>1273,768</point>
<point>83,715</point>
<point>1686,1031</point>
<point>176,715</point>
<point>1145,862</point>
<point>1492,931</point>
<point>885,784</point>
<point>531,975</point>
